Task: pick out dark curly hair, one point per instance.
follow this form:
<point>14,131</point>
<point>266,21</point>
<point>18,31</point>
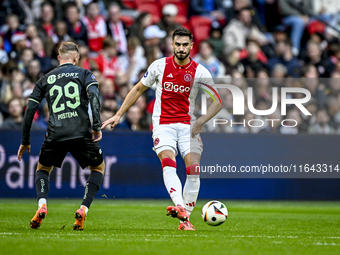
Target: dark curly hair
<point>182,32</point>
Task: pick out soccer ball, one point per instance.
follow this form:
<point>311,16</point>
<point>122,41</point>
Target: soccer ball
<point>214,213</point>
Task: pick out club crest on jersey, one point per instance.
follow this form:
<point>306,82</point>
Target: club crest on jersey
<point>93,78</point>
<point>187,77</point>
<point>156,142</point>
<point>51,79</point>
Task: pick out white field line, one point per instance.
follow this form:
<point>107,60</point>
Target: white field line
<point>326,244</point>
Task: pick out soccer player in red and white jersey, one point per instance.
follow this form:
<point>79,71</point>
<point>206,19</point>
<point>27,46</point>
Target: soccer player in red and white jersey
<point>178,79</point>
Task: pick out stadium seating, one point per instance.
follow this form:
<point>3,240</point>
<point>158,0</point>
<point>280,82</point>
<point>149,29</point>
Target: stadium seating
<point>316,27</point>
<point>181,20</point>
<point>130,4</point>
<point>128,20</point>
<point>151,7</point>
<point>200,27</point>
<point>142,2</point>
<point>182,6</point>
<point>155,9</point>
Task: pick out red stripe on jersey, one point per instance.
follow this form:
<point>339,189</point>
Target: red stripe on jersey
<point>176,87</point>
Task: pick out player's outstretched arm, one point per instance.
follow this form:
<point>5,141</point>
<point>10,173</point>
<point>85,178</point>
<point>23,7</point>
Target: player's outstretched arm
<point>26,130</point>
<point>213,109</point>
<point>130,99</point>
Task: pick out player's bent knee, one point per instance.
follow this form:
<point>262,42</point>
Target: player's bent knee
<point>192,158</point>
<point>168,162</point>
<point>167,153</point>
<point>100,168</point>
<point>45,168</point>
<point>193,170</point>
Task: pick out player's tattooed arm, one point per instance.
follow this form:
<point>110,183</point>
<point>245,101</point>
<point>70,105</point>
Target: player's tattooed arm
<point>26,128</point>
<point>32,105</point>
<point>28,119</point>
<point>95,107</point>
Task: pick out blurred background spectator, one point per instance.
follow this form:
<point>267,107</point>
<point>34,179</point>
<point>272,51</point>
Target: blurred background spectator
<point>96,26</point>
<point>295,19</point>
<point>321,126</point>
<point>239,29</point>
<point>206,58</point>
<point>167,23</point>
<point>285,57</point>
<point>15,119</point>
<point>143,21</point>
<point>117,28</point>
<point>75,26</point>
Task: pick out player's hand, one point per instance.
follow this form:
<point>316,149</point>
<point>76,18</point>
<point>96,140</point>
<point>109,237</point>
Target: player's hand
<point>113,121</point>
<point>22,150</point>
<point>97,134</point>
<point>196,129</point>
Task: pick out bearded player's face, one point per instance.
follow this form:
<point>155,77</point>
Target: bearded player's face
<point>182,46</point>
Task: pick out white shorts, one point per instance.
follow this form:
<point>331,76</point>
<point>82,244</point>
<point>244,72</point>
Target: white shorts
<point>169,136</point>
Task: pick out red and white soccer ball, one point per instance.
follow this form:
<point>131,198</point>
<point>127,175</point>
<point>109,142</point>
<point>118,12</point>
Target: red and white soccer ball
<point>214,213</point>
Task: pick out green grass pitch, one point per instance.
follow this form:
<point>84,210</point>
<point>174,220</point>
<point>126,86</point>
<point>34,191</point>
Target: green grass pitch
<point>141,227</point>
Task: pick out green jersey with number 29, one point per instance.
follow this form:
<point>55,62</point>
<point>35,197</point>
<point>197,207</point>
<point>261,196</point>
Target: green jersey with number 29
<point>65,89</point>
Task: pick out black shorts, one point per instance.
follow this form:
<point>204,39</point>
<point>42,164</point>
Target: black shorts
<point>84,150</point>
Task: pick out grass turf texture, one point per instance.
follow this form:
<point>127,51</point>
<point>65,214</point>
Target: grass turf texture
<point>141,227</point>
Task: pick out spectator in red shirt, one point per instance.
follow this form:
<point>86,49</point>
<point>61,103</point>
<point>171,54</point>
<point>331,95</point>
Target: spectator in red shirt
<point>46,24</point>
<point>76,28</point>
<point>96,27</point>
<point>107,60</point>
<point>116,28</point>
<point>85,61</point>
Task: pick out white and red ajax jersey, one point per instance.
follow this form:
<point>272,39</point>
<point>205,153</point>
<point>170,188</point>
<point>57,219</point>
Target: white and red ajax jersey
<point>176,89</point>
<point>96,32</point>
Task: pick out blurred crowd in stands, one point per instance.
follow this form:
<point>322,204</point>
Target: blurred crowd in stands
<point>249,43</point>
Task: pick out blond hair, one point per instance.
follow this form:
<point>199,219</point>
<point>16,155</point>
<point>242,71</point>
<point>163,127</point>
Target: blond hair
<point>66,47</point>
